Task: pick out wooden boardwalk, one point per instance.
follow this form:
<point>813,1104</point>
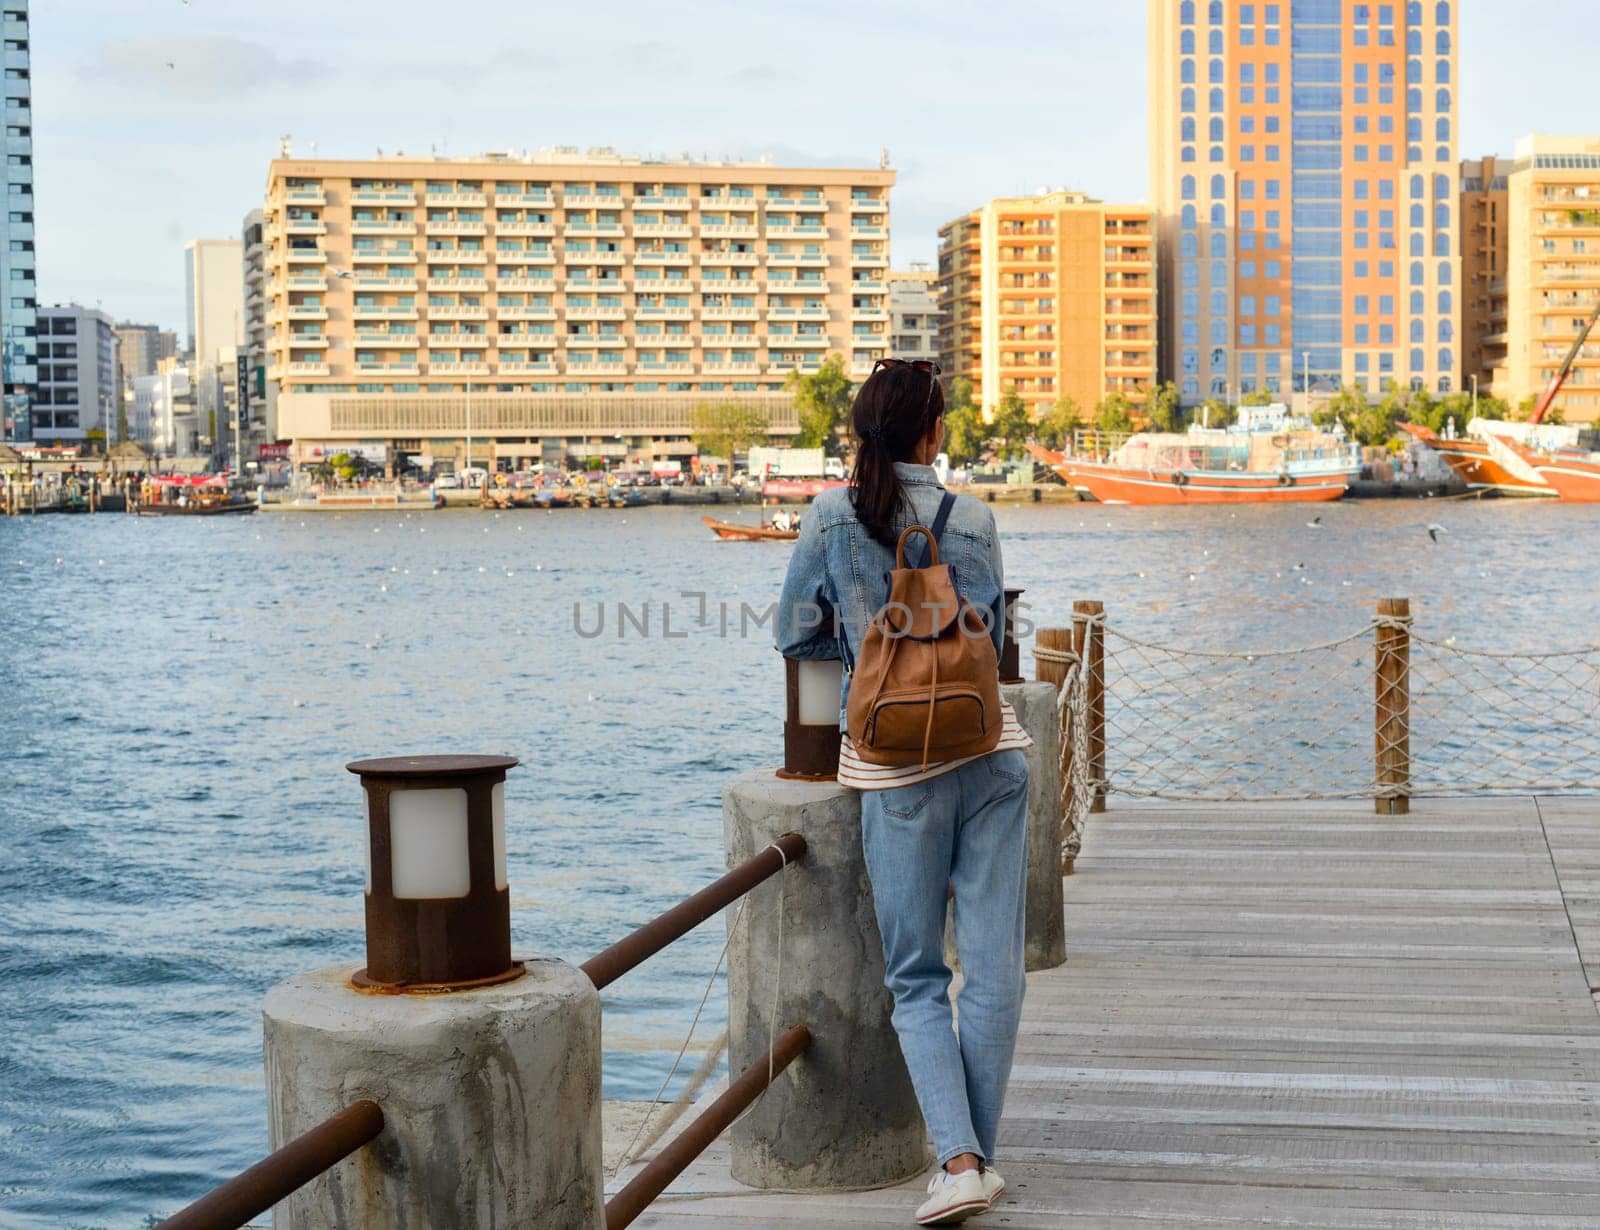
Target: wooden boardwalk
<point>1296,1015</point>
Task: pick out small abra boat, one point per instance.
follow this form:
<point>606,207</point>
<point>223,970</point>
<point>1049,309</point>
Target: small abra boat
<point>753,533</point>
<point>1484,469</point>
<point>1269,457</point>
<point>179,495</point>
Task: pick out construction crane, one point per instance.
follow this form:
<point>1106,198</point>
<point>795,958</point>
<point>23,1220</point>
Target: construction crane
<point>1553,389</point>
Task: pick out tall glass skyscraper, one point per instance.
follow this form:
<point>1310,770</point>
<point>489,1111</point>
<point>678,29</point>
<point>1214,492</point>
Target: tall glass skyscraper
<point>1304,172</point>
<point>19,305</point>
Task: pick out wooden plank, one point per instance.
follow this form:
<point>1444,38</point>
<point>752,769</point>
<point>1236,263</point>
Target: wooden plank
<point>1293,1016</point>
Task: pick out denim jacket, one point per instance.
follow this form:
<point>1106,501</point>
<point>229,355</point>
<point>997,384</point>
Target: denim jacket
<point>839,575</point>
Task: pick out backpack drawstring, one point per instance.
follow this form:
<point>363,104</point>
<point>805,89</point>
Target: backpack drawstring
<point>933,693</point>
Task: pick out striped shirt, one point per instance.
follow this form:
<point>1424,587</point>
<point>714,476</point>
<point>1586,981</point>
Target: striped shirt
<point>857,774</point>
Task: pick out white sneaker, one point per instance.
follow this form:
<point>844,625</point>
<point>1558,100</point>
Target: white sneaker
<point>952,1202</point>
<point>994,1186</point>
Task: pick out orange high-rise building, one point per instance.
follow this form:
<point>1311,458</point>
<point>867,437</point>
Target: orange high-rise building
<point>1305,177</point>
<point>1049,296</point>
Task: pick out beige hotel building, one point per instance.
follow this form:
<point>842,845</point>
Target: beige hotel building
<point>558,304</point>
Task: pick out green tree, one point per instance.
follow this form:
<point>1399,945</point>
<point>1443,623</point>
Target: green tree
<point>723,428</point>
<point>1525,408</point>
<point>1011,423</point>
<point>964,431</point>
<point>1257,397</point>
<point>1489,408</point>
<point>1345,406</point>
<point>1114,412</point>
<point>344,465</point>
<point>1165,407</point>
<point>823,399</point>
<point>1214,412</point>
<point>1056,428</point>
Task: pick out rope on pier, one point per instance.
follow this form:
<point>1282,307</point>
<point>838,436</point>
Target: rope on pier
<point>1202,725</point>
<point>637,1149</point>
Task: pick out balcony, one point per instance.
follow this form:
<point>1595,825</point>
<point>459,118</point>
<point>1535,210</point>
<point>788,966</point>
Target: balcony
<point>730,230</point>
<point>794,313</point>
<point>307,281</point>
<point>525,313</point>
<point>457,313</point>
<point>404,367</point>
<point>732,369</point>
<point>306,369</point>
<point>306,256</point>
<point>857,231</point>
<point>663,258</point>
<point>669,285</point>
<point>866,286</point>
<point>513,282</point>
<point>305,226</point>
<point>540,229</point>
<point>798,260</point>
<point>383,256</point>
<point>672,230</point>
<point>736,286</point>
<point>305,311</point>
<point>527,369</point>
<point>382,340</point>
<point>539,341</point>
<point>582,200</point>
<point>370,311</point>
<point>595,258</point>
<point>378,281</point>
<point>647,311</point>
<point>596,341</point>
<point>869,258</point>
<point>658,365</point>
<point>524,256</point>
<point>307,341</point>
<point>651,201</point>
<point>456,228</point>
<point>458,369</point>
<point>867,205</point>
<point>468,199</point>
<point>741,260</point>
<point>524,198</point>
<point>807,341</point>
<point>603,285</point>
<point>596,313</point>
<point>592,229</point>
<point>391,226</point>
<point>796,232</point>
<point>456,256</point>
<point>710,312</point>
<point>458,283</point>
<point>594,367</point>
<point>305,196</point>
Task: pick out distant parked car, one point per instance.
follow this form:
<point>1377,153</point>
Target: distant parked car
<point>447,482</point>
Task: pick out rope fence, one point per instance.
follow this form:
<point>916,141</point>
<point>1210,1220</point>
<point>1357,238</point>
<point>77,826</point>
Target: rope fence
<point>1382,712</point>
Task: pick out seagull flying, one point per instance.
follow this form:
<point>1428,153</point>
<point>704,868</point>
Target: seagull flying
<point>1435,530</point>
<point>1314,524</point>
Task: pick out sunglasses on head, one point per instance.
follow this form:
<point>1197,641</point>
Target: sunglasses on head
<point>921,365</point>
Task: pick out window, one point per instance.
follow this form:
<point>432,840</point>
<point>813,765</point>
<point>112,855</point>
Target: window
<point>1187,104</point>
<point>1186,43</point>
<point>1219,188</point>
<point>1186,72</point>
<point>1187,187</point>
<point>1219,245</point>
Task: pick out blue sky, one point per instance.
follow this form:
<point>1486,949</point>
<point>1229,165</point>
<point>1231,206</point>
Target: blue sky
<point>155,119</point>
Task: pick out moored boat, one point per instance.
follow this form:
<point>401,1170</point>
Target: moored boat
<point>803,489</point>
<point>1563,462</point>
<point>1477,465</point>
<point>1269,457</point>
<point>753,533</point>
<point>178,495</point>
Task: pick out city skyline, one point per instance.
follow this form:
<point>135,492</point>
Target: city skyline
<point>222,85</point>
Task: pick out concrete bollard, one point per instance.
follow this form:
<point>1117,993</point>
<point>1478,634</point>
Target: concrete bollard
<point>845,1114</point>
<point>491,1100</point>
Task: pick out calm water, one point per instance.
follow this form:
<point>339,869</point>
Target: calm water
<point>177,831</point>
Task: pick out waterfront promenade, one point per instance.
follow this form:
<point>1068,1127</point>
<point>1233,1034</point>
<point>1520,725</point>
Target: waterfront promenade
<point>1296,1015</point>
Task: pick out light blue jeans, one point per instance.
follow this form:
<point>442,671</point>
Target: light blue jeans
<point>967,828</point>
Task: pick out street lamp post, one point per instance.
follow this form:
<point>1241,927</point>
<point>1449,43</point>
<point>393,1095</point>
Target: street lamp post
<point>1474,395</point>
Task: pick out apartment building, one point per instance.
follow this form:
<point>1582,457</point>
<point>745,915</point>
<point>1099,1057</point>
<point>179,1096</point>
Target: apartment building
<point>259,411</point>
<point>561,300</point>
<point>141,347</point>
<point>1052,296</point>
<point>1303,161</point>
<point>914,316</point>
<point>1552,271</point>
<point>165,416</point>
<point>1485,249</point>
<point>19,303</point>
<point>214,285</point>
<point>78,389</point>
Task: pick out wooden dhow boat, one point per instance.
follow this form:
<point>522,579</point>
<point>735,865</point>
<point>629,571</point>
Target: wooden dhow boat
<point>1484,469</point>
<point>181,495</point>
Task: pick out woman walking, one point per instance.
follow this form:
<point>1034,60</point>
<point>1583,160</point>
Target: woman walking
<point>928,828</point>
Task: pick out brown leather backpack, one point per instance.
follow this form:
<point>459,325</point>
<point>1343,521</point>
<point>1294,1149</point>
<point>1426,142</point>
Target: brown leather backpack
<point>926,684</point>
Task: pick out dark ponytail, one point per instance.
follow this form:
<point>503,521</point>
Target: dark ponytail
<point>894,409</point>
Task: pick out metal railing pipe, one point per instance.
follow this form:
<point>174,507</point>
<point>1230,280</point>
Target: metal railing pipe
<point>305,1157</point>
<point>690,1143</point>
<point>641,945</point>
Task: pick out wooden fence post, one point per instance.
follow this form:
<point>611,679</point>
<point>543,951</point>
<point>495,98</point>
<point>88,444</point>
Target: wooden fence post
<point>1090,642</point>
<point>1392,693</point>
<point>1060,640</point>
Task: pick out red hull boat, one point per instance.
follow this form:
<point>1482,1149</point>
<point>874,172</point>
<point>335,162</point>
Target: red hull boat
<point>1477,466</point>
